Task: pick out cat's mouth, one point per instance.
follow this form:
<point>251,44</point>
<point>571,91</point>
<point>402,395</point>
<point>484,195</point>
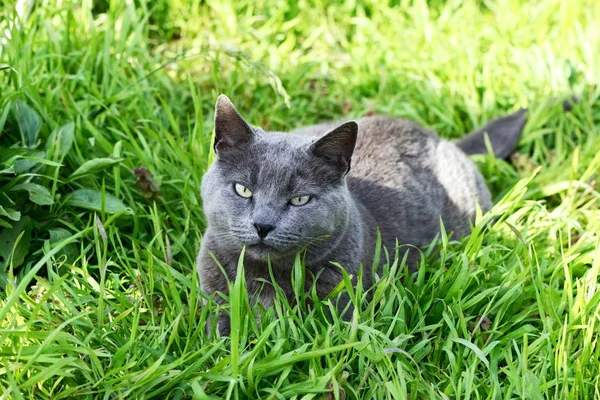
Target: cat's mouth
<point>261,250</point>
<point>261,246</point>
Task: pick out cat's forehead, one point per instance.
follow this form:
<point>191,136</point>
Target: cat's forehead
<point>282,140</point>
<point>276,159</point>
<point>278,162</point>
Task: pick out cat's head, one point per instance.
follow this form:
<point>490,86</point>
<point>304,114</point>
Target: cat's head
<point>275,193</point>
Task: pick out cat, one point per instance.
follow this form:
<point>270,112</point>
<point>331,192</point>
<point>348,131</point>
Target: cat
<point>326,189</point>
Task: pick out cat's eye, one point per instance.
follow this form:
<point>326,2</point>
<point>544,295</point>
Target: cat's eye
<point>299,200</point>
<point>243,191</point>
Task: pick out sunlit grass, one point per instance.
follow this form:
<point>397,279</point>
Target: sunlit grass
<point>98,287</point>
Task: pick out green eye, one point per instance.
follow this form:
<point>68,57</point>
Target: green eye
<point>243,191</point>
<point>299,200</point>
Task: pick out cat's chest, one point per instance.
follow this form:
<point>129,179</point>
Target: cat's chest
<point>259,282</point>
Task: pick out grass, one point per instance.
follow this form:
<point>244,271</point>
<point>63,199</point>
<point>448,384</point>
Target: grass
<point>99,296</point>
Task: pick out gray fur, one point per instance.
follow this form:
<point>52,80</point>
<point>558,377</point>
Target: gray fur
<point>402,180</point>
<point>503,134</point>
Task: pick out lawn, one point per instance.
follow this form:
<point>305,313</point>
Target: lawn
<point>106,112</point>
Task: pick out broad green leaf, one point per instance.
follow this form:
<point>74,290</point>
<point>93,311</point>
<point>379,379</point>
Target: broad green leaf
<point>10,213</point>
<point>8,171</point>
<point>29,122</point>
<point>22,159</point>
<point>95,165</point>
<point>91,199</point>
<point>5,200</point>
<point>63,138</point>
<point>57,235</point>
<point>26,163</point>
<point>37,193</point>
<point>7,242</point>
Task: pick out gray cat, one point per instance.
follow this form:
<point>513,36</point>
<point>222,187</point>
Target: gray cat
<point>325,190</point>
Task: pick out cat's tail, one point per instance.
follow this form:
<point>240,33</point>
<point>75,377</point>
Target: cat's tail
<point>503,133</point>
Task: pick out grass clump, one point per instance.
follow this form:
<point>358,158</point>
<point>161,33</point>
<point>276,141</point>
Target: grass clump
<point>105,132</point>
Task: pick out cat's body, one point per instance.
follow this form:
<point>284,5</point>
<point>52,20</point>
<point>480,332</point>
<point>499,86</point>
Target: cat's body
<point>403,179</point>
<point>401,170</point>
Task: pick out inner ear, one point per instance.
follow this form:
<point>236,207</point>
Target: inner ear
<point>231,130</point>
<point>336,146</point>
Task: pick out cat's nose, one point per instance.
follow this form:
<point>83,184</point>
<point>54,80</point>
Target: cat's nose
<point>263,229</point>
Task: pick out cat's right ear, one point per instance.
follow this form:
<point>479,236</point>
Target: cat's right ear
<point>231,130</point>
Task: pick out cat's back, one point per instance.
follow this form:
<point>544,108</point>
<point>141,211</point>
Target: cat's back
<point>408,162</point>
<point>383,146</point>
<point>390,150</point>
<point>418,178</point>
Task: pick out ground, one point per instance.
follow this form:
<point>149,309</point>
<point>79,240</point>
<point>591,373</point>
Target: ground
<point>106,114</point>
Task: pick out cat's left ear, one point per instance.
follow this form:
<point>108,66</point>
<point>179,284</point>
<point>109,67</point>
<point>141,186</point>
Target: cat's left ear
<point>231,130</point>
<point>337,146</point>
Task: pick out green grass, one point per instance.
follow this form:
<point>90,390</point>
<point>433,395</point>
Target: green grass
<point>98,291</point>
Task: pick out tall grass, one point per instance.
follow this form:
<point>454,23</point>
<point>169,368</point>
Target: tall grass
<point>98,290</point>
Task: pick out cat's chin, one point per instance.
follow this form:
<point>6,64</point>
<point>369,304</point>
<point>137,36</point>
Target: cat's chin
<point>262,252</point>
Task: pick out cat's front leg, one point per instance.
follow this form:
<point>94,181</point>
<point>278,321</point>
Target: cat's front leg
<point>326,283</point>
<point>213,282</point>
<point>221,318</point>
